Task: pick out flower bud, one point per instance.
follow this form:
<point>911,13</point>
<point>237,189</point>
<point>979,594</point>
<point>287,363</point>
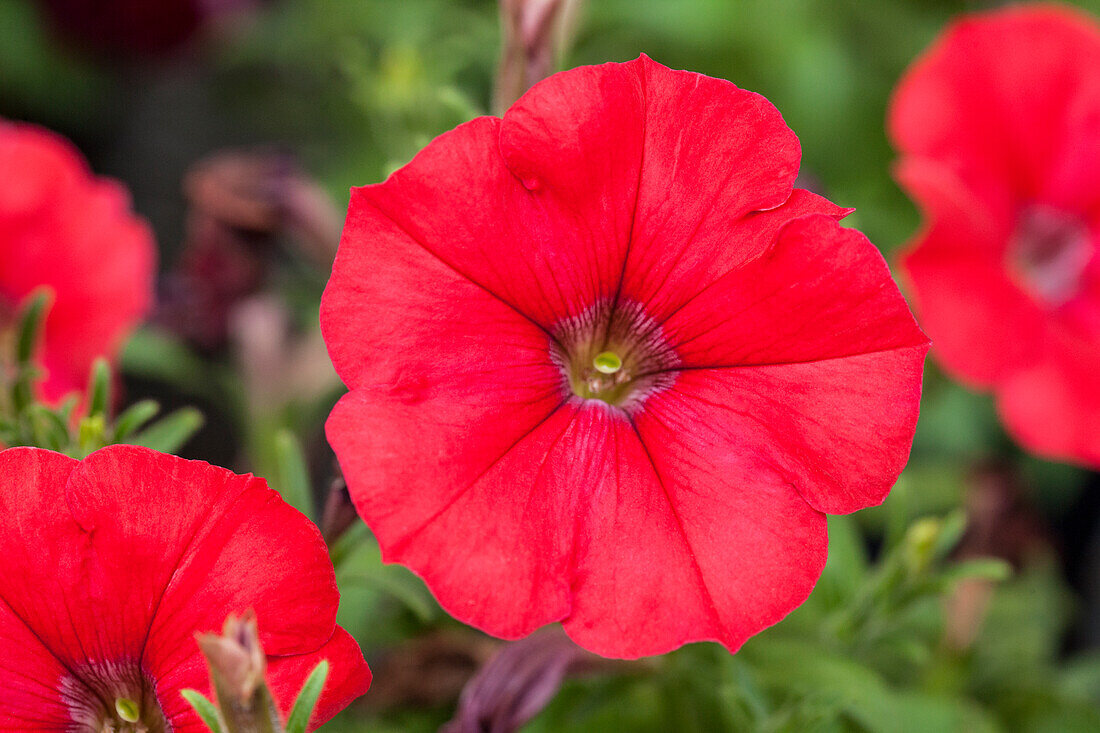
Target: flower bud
<point>237,666</point>
<point>534,32</point>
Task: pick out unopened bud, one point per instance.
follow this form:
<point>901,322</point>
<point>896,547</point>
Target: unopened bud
<point>534,33</point>
<point>920,543</point>
<point>237,667</point>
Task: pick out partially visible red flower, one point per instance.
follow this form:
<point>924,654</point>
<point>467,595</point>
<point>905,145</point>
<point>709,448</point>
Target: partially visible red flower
<point>608,369</point>
<point>998,125</point>
<point>63,228</point>
<point>109,566</point>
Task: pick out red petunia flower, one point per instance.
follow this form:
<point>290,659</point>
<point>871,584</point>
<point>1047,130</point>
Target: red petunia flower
<point>63,228</point>
<point>607,368</point>
<point>998,125</point>
<point>110,565</point>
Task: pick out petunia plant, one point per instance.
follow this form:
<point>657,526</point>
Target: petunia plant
<point>593,413</point>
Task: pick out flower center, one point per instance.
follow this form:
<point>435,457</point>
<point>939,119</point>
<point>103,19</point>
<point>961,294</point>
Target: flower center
<point>617,355</point>
<point>113,698</point>
<point>1050,250</point>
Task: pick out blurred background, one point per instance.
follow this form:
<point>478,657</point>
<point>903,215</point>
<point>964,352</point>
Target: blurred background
<point>969,601</point>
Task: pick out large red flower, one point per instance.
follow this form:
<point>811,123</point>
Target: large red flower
<point>110,565</point>
<point>999,129</point>
<point>62,228</point>
<point>607,368</point>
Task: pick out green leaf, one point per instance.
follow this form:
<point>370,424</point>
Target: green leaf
<point>406,588</point>
<point>30,324</point>
<point>846,568</point>
<point>925,713</point>
<point>205,709</point>
<point>171,432</point>
<point>812,675</point>
<point>293,472</point>
<point>50,429</point>
<point>1081,676</point>
<point>99,388</point>
<point>67,407</point>
<point>362,567</point>
<point>983,568</point>
<point>157,355</point>
<point>307,699</point>
<point>951,531</point>
<point>133,418</point>
<point>1025,625</point>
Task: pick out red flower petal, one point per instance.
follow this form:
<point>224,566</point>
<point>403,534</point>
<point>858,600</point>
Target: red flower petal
<point>822,292</point>
<point>422,483</point>
<point>505,237</point>
<point>659,162</point>
<point>797,351</point>
<point>406,274</point>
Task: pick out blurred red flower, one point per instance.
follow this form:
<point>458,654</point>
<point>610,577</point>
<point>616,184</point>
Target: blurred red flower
<point>63,228</point>
<point>607,368</point>
<point>998,125</point>
<point>110,565</point>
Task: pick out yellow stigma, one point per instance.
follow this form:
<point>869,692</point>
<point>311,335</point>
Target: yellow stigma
<point>607,362</point>
<point>127,709</point>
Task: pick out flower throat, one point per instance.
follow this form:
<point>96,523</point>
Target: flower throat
<point>113,698</point>
<point>617,355</point>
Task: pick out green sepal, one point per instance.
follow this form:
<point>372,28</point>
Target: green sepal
<point>133,418</point>
<point>293,472</point>
<point>205,709</point>
<point>99,388</point>
<point>30,324</point>
<point>307,699</point>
